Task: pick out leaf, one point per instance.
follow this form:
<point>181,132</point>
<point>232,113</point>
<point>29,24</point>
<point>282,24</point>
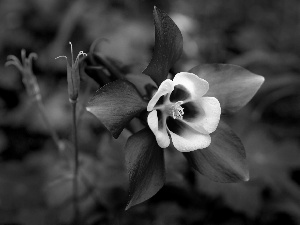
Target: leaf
<point>279,107</point>
<point>271,159</point>
<point>145,166</point>
<point>224,160</point>
<point>97,72</point>
<point>167,49</point>
<point>232,85</point>
<point>21,194</point>
<point>242,197</point>
<point>116,104</point>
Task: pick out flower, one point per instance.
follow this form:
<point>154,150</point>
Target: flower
<point>25,67</point>
<point>179,109</point>
<point>188,108</point>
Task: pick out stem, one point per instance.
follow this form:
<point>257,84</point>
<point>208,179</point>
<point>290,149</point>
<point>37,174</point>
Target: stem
<point>76,165</point>
<point>48,124</point>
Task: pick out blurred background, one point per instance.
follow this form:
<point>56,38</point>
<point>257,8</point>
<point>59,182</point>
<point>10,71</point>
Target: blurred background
<point>35,186</point>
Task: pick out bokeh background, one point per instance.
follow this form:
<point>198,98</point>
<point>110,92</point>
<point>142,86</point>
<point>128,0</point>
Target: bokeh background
<point>35,186</point>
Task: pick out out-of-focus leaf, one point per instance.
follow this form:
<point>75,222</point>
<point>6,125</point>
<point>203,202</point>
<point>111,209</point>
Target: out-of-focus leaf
<point>224,160</point>
<point>3,142</point>
<point>28,115</point>
<point>242,197</point>
<point>270,161</point>
<point>128,41</point>
<point>169,213</point>
<point>145,165</point>
<point>289,207</point>
<point>21,191</point>
<point>112,163</point>
<point>279,107</point>
<point>167,49</point>
<point>102,179</point>
<point>58,188</point>
<point>280,62</point>
<point>98,59</point>
<point>19,194</point>
<point>116,104</point>
<point>232,85</point>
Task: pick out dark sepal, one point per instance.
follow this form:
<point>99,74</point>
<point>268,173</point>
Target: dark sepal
<point>145,166</point>
<point>115,104</point>
<point>224,160</point>
<point>167,49</point>
<point>232,85</point>
<point>95,71</point>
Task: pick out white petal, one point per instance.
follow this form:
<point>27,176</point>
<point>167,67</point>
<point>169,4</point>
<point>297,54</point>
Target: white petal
<point>165,87</point>
<point>161,135</point>
<point>194,84</point>
<point>190,140</point>
<point>208,116</point>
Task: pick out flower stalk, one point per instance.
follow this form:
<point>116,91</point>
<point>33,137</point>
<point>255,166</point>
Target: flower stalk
<point>73,78</point>
<point>76,163</point>
<point>32,88</point>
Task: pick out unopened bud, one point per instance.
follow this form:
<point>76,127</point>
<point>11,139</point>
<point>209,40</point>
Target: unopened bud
<point>73,76</point>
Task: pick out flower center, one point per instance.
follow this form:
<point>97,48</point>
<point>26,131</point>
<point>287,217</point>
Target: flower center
<point>177,110</point>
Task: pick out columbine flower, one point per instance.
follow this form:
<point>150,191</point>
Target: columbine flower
<point>187,108</point>
<point>178,108</point>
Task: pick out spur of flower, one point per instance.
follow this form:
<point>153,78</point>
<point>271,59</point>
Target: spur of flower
<point>185,112</point>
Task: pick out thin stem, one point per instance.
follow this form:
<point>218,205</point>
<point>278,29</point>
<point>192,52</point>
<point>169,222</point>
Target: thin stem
<point>76,165</point>
<point>48,124</point>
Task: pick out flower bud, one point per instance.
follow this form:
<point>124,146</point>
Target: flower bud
<point>73,76</point>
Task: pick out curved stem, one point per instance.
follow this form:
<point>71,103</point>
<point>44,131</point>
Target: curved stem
<point>48,124</point>
<point>111,68</point>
